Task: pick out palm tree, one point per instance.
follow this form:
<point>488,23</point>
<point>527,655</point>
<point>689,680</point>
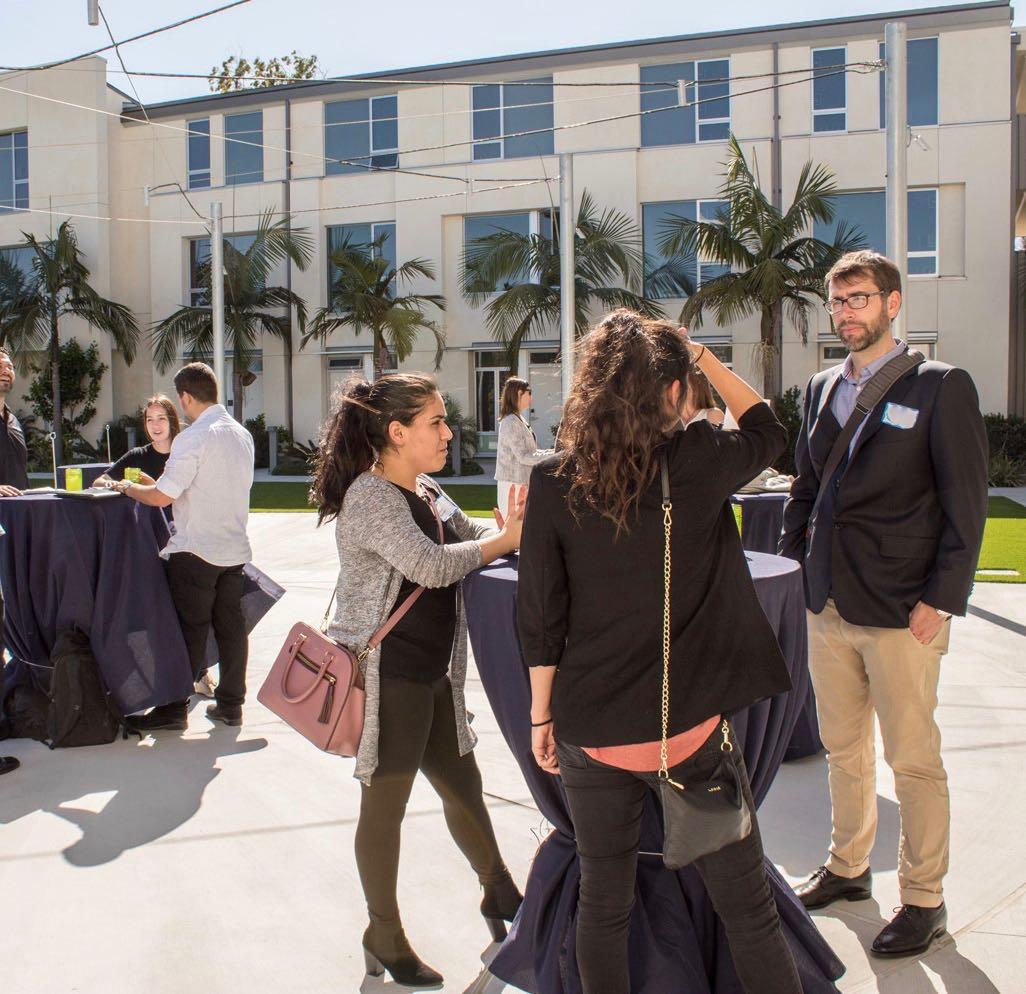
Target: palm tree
<point>774,264</point>
<point>363,296</point>
<point>249,304</point>
<point>609,268</point>
<point>33,304</point>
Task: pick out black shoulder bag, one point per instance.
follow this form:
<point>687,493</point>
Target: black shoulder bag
<point>707,815</point>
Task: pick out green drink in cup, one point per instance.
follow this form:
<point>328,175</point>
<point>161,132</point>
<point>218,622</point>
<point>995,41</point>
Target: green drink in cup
<point>132,474</point>
<point>73,478</point>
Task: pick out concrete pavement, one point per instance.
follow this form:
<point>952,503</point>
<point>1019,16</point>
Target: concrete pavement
<point>222,861</point>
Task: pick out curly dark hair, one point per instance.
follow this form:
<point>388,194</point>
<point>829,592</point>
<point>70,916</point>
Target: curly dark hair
<point>615,418</point>
<point>356,433</point>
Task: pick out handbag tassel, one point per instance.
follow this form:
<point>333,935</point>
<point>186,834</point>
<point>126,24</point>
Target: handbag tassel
<point>329,699</point>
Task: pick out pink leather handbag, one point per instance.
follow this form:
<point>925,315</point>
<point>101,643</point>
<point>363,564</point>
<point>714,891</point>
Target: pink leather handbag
<point>315,684</point>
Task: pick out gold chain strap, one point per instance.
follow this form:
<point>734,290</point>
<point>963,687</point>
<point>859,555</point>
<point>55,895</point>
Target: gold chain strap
<point>726,745</point>
<point>664,773</point>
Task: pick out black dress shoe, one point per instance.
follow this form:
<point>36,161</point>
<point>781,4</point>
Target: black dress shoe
<point>172,717</point>
<point>229,714</point>
<point>500,904</point>
<point>385,947</point>
<point>8,764</point>
<point>824,887</point>
<point>911,931</point>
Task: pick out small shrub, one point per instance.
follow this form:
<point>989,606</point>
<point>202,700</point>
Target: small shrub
<point>789,414</point>
<point>1005,471</point>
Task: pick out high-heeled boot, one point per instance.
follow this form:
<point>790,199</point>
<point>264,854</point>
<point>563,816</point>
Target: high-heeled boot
<point>385,947</point>
<point>500,904</point>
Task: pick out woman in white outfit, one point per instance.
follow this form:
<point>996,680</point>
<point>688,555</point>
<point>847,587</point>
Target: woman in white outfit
<point>517,447</point>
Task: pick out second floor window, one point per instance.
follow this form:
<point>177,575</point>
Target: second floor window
<point>199,154</point>
<point>829,90</point>
<point>477,228</point>
<point>868,212</point>
<point>199,252</point>
<point>657,221</point>
<point>244,155</point>
<point>922,81</point>
<point>360,135</point>
<point>707,114</point>
<point>359,236</point>
<point>512,120</point>
<point>14,177</point>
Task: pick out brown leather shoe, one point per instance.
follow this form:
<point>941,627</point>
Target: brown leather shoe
<point>824,887</point>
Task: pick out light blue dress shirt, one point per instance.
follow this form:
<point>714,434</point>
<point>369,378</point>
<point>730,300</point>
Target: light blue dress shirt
<point>850,384</point>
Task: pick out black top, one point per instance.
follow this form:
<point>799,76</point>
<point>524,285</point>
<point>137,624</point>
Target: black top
<point>905,520</point>
<point>420,646</point>
<point>592,604</point>
<point>13,451</point>
<point>145,457</point>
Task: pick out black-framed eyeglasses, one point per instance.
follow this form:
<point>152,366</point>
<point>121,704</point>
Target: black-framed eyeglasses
<point>856,301</point>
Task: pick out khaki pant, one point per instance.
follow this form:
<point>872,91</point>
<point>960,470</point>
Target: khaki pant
<point>856,670</point>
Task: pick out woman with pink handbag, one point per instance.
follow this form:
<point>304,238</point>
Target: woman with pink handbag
<point>376,448</point>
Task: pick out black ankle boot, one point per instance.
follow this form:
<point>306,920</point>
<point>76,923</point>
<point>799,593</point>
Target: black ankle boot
<point>385,947</point>
<point>171,717</point>
<point>499,905</point>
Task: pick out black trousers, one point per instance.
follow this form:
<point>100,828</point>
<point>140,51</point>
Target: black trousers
<point>606,806</point>
<point>208,596</point>
<point>418,732</point>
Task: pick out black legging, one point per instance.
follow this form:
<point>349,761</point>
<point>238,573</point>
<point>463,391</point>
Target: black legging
<point>418,732</point>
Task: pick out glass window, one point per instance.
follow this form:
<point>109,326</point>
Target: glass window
<point>503,112</point>
<point>831,355</point>
<point>362,235</point>
<point>725,353</point>
<point>480,226</point>
<point>708,92</point>
<point>361,134</point>
<point>923,72</point>
<point>491,372</point>
<point>656,224</point>
<point>14,178</point>
<point>714,212</point>
<point>713,100</point>
<point>199,154</point>
<point>868,212</point>
<point>244,155</point>
<point>829,89</point>
<point>199,252</point>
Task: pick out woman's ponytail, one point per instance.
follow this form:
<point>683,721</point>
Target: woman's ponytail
<point>356,433</point>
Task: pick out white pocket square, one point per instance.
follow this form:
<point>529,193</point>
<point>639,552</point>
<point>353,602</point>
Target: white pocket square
<point>898,416</point>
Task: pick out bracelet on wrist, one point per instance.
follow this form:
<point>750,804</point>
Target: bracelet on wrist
<point>541,724</point>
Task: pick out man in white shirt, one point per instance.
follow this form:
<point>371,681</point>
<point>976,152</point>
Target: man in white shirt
<point>208,477</point>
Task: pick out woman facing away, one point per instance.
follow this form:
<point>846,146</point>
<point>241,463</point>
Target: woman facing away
<point>517,449</point>
<point>590,598</point>
<point>376,448</point>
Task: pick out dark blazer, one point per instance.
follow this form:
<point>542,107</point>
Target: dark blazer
<point>904,521</point>
<point>591,602</point>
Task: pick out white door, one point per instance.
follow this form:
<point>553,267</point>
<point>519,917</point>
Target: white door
<point>546,402</point>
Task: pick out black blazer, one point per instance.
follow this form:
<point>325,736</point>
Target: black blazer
<point>591,603</point>
<point>907,515</point>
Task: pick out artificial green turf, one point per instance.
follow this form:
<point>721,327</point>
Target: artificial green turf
<point>1004,539</point>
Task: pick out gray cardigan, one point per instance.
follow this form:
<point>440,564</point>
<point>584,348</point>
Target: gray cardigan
<point>517,451</point>
<point>379,543</point>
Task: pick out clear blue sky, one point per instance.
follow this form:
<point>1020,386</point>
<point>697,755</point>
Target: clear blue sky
<point>356,37</point>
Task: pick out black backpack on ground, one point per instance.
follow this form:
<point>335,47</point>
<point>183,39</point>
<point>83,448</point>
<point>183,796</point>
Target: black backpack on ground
<point>82,712</point>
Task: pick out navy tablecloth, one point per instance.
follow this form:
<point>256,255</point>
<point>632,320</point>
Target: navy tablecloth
<point>762,518</point>
<point>676,941</point>
<point>94,564</point>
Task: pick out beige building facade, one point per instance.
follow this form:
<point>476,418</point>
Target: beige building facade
<point>455,132</point>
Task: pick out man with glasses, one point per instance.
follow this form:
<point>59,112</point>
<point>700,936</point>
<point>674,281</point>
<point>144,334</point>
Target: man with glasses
<point>889,555</point>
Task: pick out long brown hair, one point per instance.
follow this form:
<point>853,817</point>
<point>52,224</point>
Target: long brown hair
<point>700,393</point>
<point>510,403</point>
<point>615,419</point>
<point>160,400</point>
<point>356,433</point>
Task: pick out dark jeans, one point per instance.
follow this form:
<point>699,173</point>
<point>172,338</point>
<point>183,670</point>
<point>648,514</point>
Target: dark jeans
<point>206,595</point>
<point>418,732</point>
<point>606,806</point>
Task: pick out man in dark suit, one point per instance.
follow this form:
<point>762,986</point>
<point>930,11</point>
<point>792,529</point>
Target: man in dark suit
<point>889,556</point>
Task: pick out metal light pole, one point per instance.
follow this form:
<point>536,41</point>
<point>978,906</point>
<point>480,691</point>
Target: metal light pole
<point>567,270</point>
<point>217,293</point>
<point>896,52</point>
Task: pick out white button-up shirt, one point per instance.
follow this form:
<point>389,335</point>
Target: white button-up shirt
<point>209,475</point>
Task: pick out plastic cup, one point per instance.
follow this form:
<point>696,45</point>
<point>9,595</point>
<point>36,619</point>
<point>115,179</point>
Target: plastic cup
<point>132,474</point>
<point>73,478</point>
